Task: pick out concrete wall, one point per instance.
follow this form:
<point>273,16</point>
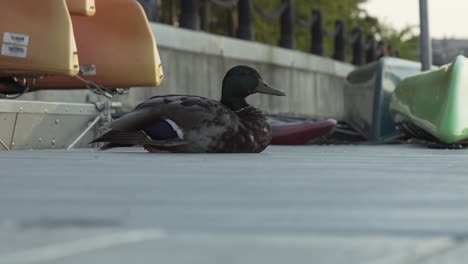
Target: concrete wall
<point>195,63</point>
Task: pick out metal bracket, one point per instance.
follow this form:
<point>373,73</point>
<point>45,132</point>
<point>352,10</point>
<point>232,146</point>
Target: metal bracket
<point>4,145</point>
<point>105,117</point>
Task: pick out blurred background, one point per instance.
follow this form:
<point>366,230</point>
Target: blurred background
<point>393,24</point>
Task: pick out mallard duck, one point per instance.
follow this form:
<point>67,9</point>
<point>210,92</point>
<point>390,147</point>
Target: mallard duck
<point>183,123</point>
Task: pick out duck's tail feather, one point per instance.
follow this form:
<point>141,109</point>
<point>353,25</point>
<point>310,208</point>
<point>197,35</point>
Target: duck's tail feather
<point>116,138</point>
<point>120,137</point>
<point>114,145</point>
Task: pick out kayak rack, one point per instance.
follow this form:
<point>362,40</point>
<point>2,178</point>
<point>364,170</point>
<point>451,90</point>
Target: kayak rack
<point>28,125</point>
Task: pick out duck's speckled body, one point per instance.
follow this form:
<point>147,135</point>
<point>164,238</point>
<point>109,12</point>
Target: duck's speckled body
<point>180,123</point>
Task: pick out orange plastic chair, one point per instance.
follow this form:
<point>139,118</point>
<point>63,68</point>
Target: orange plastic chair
<point>36,38</point>
<point>116,48</point>
<point>82,7</point>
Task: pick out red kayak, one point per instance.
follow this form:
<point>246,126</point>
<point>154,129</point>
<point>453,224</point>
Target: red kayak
<point>299,133</point>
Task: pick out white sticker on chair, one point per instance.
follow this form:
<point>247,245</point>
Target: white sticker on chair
<point>14,50</point>
<point>15,38</point>
<point>88,70</point>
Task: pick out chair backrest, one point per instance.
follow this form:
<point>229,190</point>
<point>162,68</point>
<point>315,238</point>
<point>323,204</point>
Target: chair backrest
<point>117,43</point>
<point>36,38</point>
<point>82,7</point>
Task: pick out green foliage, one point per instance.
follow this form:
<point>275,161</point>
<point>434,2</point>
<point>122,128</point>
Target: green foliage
<point>405,41</point>
<point>223,22</point>
<point>347,10</point>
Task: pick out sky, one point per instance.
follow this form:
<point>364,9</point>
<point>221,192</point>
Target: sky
<point>447,18</point>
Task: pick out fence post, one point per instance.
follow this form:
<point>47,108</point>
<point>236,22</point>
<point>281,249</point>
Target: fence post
<point>358,46</point>
<point>231,22</point>
<point>189,17</point>
<point>370,49</point>
<point>317,33</point>
<point>382,49</point>
<point>339,49</point>
<point>287,23</point>
<point>244,30</point>
<point>390,51</point>
<point>205,16</point>
<point>150,7</point>
<point>173,20</point>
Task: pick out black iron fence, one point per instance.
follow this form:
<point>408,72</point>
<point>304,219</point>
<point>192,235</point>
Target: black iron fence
<point>194,14</point>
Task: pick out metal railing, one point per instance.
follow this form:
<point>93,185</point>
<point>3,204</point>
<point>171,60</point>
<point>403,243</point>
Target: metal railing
<point>194,14</point>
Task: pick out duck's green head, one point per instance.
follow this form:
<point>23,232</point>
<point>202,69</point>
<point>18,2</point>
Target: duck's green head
<point>240,82</point>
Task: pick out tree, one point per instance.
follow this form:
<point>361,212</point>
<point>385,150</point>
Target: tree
<point>223,21</point>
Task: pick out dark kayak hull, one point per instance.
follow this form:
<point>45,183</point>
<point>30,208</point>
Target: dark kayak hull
<point>302,132</point>
<point>368,91</point>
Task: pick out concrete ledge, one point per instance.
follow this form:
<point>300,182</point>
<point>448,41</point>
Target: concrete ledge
<point>209,44</point>
<point>195,63</point>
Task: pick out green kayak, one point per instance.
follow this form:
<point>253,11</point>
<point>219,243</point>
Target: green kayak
<point>434,104</point>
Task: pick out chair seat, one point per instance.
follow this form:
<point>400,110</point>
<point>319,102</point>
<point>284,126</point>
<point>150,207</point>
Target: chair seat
<point>82,7</point>
<point>116,49</point>
<point>36,38</point>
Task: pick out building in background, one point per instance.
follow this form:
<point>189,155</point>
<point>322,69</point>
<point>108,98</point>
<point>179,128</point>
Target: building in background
<point>445,50</point>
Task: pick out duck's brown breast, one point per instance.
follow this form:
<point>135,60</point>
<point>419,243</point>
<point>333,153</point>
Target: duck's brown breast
<point>253,135</point>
